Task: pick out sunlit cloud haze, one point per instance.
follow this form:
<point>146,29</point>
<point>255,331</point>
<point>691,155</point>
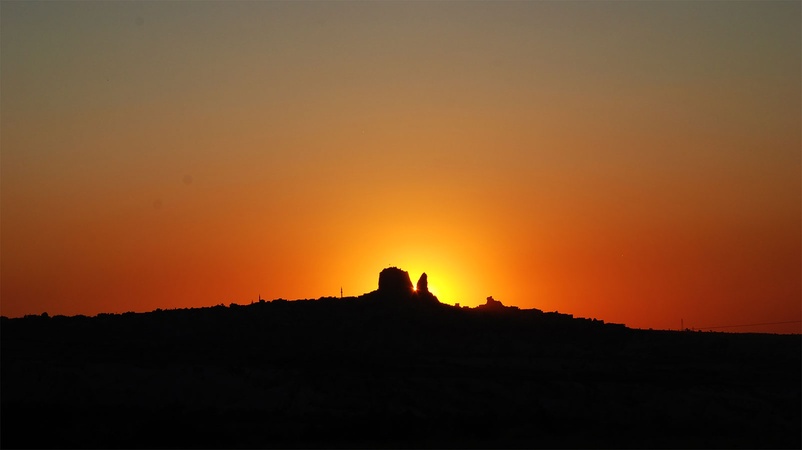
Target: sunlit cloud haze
<point>636,162</point>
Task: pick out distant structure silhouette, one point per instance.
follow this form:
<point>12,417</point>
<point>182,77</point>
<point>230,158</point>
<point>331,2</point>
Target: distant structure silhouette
<point>492,305</point>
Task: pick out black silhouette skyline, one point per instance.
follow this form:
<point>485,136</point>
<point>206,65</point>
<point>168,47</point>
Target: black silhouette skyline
<point>390,368</point>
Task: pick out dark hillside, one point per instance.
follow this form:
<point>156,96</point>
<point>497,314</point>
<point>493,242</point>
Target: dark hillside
<point>389,370</point>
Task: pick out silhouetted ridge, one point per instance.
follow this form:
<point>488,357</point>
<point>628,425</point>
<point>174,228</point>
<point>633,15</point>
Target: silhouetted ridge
<point>389,369</point>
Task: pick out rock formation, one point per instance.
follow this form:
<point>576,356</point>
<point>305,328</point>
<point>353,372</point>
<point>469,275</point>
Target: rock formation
<point>422,292</point>
<point>395,282</point>
<point>423,284</point>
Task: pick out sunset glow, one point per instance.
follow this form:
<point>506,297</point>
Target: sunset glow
<point>635,162</point>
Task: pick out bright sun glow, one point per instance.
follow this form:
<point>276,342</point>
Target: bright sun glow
<point>446,267</point>
<point>433,290</point>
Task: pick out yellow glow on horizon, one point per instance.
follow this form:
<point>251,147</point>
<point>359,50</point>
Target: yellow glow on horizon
<point>195,174</point>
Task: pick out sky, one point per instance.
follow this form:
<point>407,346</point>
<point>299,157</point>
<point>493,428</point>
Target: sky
<point>634,162</point>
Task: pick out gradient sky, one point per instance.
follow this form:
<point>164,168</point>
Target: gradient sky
<point>636,162</point>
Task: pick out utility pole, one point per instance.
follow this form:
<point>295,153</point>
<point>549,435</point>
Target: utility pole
<point>341,292</point>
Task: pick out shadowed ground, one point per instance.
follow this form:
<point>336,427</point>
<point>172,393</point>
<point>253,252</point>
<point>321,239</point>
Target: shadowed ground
<point>387,371</point>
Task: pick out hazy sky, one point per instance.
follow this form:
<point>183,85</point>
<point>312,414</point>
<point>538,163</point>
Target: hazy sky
<point>636,162</point>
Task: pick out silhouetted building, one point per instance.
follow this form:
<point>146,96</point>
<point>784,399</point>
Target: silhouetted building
<point>492,305</point>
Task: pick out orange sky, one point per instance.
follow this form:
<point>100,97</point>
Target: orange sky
<point>636,162</point>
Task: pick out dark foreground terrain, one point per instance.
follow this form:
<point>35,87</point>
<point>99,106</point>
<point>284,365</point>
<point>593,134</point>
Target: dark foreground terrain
<point>378,372</point>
